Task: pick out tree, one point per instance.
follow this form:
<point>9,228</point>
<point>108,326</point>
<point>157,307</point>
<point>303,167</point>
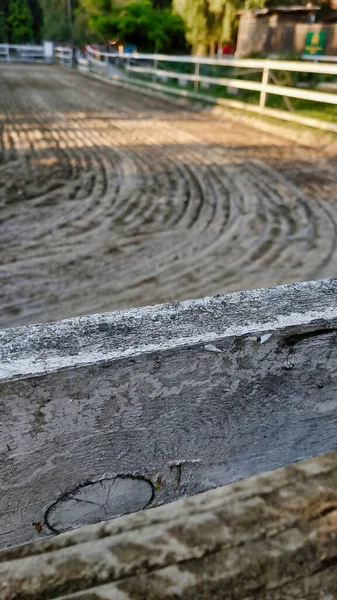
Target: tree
<point>94,19</point>
<point>3,28</point>
<point>82,32</point>
<point>35,11</point>
<point>56,24</point>
<point>136,23</point>
<point>37,15</point>
<point>162,3</point>
<point>20,20</point>
<point>194,15</point>
<point>210,23</point>
<point>150,29</point>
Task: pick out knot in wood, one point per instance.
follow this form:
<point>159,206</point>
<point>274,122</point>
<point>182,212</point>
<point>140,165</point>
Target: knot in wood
<point>98,501</point>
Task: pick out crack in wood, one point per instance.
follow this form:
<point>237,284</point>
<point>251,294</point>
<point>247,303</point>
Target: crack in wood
<point>300,337</point>
<point>115,497</point>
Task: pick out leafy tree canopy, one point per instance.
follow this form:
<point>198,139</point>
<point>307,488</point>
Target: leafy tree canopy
<point>20,21</point>
<point>210,23</point>
<point>139,23</point>
<point>3,27</point>
<point>56,22</point>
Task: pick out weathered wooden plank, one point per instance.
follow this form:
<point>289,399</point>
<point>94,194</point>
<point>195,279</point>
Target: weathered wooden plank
<point>270,536</point>
<point>108,414</point>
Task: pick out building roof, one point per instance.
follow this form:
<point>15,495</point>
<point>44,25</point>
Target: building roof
<point>261,12</point>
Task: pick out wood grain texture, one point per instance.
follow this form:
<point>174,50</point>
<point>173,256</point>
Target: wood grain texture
<point>137,408</point>
<point>269,537</point>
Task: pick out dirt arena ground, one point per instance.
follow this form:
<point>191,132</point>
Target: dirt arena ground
<point>111,198</point>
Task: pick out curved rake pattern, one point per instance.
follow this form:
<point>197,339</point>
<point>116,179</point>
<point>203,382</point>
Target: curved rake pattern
<point>111,199</point>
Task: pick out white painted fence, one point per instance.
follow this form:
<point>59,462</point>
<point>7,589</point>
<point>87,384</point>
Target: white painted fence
<point>148,66</point>
<point>26,53</point>
<point>319,58</point>
<point>64,56</point>
<point>82,63</point>
<point>108,414</point>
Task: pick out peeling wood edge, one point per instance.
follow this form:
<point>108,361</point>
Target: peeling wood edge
<point>35,350</point>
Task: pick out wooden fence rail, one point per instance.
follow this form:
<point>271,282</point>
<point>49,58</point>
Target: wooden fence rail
<point>108,414</point>
<point>247,63</point>
<point>26,53</point>
<point>152,68</point>
<point>64,55</point>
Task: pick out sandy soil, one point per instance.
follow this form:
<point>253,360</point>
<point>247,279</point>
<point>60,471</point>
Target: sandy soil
<point>111,198</point>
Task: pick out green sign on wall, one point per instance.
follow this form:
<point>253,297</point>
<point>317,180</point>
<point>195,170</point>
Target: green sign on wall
<point>315,43</point>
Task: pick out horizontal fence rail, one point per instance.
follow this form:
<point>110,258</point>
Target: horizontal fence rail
<point>26,53</point>
<point>319,58</point>
<point>245,85</point>
<point>64,55</point>
<point>248,63</point>
<point>153,68</point>
<point>109,414</point>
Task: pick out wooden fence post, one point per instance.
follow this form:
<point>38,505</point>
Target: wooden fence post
<point>196,72</point>
<point>127,68</point>
<point>263,95</point>
<point>155,67</point>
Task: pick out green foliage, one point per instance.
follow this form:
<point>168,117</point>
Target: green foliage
<point>93,20</point>
<point>210,23</point>
<point>20,21</point>
<point>37,15</point>
<point>3,28</point>
<point>194,15</point>
<point>82,33</point>
<point>55,20</point>
<point>161,3</point>
<point>137,23</point>
<point>152,30</point>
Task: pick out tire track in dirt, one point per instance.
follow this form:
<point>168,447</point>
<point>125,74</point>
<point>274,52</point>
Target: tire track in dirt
<point>111,198</point>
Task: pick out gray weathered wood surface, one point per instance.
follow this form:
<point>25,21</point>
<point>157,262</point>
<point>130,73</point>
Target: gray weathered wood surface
<point>104,415</point>
<point>269,537</point>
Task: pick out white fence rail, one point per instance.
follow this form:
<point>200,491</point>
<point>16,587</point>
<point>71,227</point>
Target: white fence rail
<point>64,55</point>
<point>320,58</point>
<point>26,53</point>
<point>82,63</point>
<point>154,68</point>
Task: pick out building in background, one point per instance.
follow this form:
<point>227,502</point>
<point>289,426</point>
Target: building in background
<point>283,30</point>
